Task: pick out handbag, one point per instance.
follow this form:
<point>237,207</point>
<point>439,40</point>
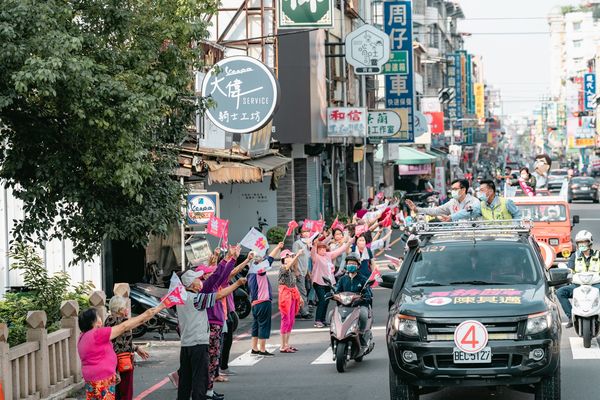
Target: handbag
<point>125,362</point>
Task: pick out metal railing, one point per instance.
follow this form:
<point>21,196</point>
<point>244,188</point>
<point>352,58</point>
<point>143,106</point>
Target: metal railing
<point>488,227</point>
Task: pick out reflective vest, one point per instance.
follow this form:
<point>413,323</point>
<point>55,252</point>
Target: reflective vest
<point>499,212</point>
<point>593,266</point>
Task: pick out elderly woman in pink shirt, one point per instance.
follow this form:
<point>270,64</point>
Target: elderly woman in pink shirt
<point>323,267</point>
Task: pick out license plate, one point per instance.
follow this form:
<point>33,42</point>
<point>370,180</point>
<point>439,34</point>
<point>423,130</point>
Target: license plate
<point>584,188</point>
<point>482,357</point>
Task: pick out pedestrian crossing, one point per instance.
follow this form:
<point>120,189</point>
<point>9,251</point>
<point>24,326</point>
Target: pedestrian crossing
<point>578,352</point>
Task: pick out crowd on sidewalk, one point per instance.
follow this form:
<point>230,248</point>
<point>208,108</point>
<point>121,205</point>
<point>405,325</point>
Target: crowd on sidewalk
<point>207,318</point>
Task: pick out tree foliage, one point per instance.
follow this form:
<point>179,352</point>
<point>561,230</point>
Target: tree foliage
<point>46,293</point>
<point>93,93</point>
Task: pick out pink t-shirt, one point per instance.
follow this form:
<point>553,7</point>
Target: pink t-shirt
<point>98,359</point>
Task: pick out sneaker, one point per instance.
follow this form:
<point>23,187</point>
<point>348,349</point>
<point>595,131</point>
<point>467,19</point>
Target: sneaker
<point>569,324</point>
<point>266,354</point>
<point>174,378</point>
<point>319,324</point>
<point>216,396</point>
<point>255,352</point>
<point>227,372</point>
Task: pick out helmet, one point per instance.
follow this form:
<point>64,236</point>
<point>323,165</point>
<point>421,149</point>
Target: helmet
<point>353,257</point>
<point>584,236</point>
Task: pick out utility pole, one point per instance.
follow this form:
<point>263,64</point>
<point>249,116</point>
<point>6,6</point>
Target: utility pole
<point>363,80</point>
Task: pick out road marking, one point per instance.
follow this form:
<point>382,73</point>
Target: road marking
<point>247,359</point>
<point>581,353</point>
<point>589,219</point>
<point>325,358</point>
<point>151,389</point>
<point>316,330</point>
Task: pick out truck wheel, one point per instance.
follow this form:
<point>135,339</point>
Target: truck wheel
<point>586,328</point>
<point>340,357</point>
<point>399,390</point>
<point>549,387</point>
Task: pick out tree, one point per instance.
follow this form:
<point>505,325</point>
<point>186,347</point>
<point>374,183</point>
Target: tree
<point>93,95</point>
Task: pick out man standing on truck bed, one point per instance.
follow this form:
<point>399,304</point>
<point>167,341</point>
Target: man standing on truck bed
<point>461,200</point>
<point>584,259</point>
<point>491,207</point>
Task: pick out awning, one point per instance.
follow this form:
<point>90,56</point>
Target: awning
<point>269,163</point>
<point>410,156</point>
<point>437,153</point>
<point>250,171</point>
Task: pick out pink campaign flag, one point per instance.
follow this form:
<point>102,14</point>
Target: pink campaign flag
<point>217,227</point>
<point>291,226</point>
<point>313,225</point>
<point>394,260</point>
<point>360,229</point>
<point>376,276</point>
<point>177,293</point>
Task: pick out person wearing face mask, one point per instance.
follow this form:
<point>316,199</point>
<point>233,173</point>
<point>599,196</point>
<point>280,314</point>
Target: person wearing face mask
<point>460,200</point>
<point>490,207</point>
<point>355,282</point>
<point>526,182</point>
<point>303,280</point>
<point>583,260</point>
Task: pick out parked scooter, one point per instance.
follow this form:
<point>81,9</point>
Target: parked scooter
<point>144,296</point>
<point>347,342</point>
<point>241,298</point>
<point>586,306</point>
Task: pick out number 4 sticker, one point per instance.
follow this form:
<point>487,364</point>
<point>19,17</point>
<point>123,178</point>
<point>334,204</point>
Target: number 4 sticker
<point>471,336</point>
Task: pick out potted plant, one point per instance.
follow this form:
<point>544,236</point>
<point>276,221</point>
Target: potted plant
<point>275,235</point>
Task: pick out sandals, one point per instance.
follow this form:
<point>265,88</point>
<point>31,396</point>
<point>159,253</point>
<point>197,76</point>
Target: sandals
<point>221,378</point>
<point>287,350</point>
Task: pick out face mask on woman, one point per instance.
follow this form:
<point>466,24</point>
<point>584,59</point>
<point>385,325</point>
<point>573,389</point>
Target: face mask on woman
<point>351,268</point>
<point>524,176</point>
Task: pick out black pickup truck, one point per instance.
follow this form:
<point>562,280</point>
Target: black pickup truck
<point>474,306</point>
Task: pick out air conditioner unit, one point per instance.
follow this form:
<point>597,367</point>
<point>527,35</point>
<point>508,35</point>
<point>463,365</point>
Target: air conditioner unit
<point>338,93</point>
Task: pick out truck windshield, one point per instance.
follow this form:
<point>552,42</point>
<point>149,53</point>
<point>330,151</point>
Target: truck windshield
<point>543,212</point>
<point>482,263</point>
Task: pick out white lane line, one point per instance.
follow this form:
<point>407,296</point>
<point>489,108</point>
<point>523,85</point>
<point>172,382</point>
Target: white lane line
<point>325,358</point>
<point>589,219</point>
<point>316,330</point>
<point>247,359</point>
<point>581,353</point>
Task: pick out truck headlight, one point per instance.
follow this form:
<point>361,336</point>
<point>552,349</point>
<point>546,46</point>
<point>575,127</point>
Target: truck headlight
<point>553,242</point>
<point>537,323</point>
<point>406,325</point>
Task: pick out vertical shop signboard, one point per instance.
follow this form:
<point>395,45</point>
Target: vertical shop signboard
<point>399,87</point>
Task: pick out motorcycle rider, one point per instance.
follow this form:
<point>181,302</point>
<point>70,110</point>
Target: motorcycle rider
<point>584,259</point>
<point>355,282</point>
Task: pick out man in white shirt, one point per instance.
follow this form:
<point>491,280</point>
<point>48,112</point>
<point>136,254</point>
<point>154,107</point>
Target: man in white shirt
<point>461,200</point>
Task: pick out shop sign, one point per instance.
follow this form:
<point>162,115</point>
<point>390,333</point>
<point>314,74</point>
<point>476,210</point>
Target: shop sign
<point>397,64</point>
<point>589,91</point>
<point>422,169</point>
<point>436,121</point>
<point>383,123</point>
<point>367,50</point>
<point>346,122</point>
<point>479,100</point>
<point>201,206</point>
<point>399,87</point>
<point>295,14</point>
<point>245,93</point>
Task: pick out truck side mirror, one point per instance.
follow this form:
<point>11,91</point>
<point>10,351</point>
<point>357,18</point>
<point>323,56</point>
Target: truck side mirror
<point>559,276</point>
<point>575,219</point>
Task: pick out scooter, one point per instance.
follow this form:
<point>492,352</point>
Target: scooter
<point>347,342</point>
<point>586,306</point>
<point>241,299</point>
<point>144,296</point>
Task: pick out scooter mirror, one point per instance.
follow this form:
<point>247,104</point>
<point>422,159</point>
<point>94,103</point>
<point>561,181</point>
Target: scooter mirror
<point>562,265</point>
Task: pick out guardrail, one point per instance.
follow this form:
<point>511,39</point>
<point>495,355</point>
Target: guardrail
<point>47,365</point>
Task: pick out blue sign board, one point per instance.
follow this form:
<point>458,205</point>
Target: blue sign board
<point>454,80</point>
<point>200,207</point>
<point>589,91</point>
<point>399,87</point>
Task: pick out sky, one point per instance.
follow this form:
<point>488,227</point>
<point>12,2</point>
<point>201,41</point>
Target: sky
<point>518,64</point>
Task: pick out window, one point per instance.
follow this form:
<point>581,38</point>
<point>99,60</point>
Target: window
<point>577,26</point>
<point>493,262</point>
<point>577,43</point>
<point>543,212</point>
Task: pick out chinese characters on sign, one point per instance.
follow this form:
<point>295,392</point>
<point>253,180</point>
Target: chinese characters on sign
<point>589,91</point>
<point>479,100</point>
<point>383,123</point>
<point>245,93</point>
<point>454,80</point>
<point>346,122</point>
<point>305,14</point>
<point>399,87</point>
<point>398,63</point>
